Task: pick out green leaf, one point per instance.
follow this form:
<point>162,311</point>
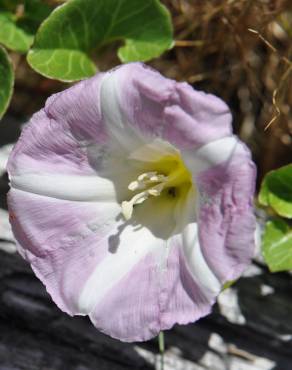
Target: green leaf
<point>64,40</point>
<point>19,21</point>
<point>13,36</point>
<point>6,81</point>
<point>276,191</point>
<point>277,245</point>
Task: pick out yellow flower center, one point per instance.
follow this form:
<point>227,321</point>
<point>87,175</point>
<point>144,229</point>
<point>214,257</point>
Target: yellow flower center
<point>169,177</point>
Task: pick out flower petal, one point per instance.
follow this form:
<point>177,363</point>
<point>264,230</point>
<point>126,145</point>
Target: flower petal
<point>139,104</point>
<point>172,284</point>
<point>83,252</point>
<point>146,234</point>
<point>189,243</point>
<point>130,310</point>
<point>152,297</point>
<point>133,246</point>
<point>63,240</point>
<point>190,285</point>
<point>226,218</point>
<point>211,154</point>
<point>186,294</point>
<point>61,137</point>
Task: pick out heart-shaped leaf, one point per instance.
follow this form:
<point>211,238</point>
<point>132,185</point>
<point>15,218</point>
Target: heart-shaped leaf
<point>64,40</point>
<point>6,81</point>
<point>277,245</point>
<point>19,21</point>
<point>276,191</point>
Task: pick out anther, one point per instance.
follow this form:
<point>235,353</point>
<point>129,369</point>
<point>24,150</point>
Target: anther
<point>145,180</point>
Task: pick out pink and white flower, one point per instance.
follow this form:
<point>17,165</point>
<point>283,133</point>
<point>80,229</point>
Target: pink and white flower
<point>132,201</point>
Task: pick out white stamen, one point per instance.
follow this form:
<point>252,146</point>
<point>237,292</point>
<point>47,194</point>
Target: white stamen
<point>146,175</point>
<point>135,185</point>
<point>144,180</point>
<point>127,206</point>
<point>156,190</point>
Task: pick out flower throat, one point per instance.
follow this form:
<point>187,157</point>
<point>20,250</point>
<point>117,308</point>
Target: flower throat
<point>170,178</point>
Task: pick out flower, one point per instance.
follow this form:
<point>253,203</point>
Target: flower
<point>132,201</point>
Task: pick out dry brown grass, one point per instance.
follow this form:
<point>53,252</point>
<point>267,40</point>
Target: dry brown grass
<point>240,50</point>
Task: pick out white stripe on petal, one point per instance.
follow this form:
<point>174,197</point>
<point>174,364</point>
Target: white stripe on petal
<point>132,246</point>
<point>211,154</point>
<point>66,187</point>
<point>201,272</point>
<point>196,261</point>
<point>120,131</point>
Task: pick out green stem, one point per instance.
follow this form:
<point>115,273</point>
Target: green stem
<point>161,349</point>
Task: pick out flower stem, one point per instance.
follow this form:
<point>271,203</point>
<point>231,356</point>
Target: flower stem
<point>161,349</point>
